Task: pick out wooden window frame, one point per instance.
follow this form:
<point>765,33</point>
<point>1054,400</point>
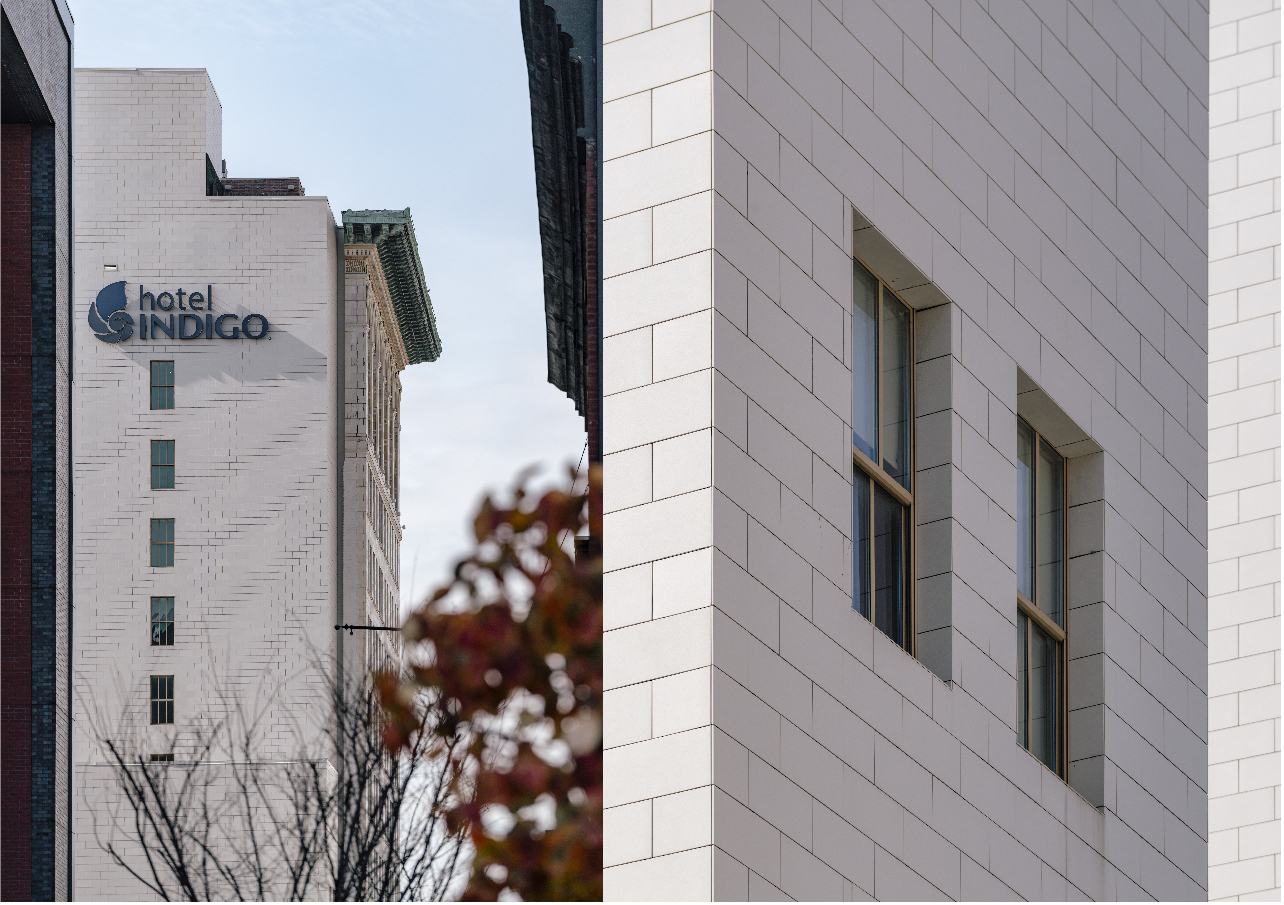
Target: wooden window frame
<point>1037,617</point>
<point>874,471</point>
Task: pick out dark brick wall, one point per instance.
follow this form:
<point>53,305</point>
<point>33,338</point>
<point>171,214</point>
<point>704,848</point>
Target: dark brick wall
<point>47,771</point>
<point>35,444</point>
<point>592,417</point>
<point>15,512</point>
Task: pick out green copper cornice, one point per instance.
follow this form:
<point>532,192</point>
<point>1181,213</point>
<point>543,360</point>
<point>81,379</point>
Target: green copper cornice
<point>392,233</point>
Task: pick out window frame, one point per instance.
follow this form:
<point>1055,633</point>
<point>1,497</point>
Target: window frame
<point>1036,617</point>
<point>157,699</point>
<point>158,446</point>
<point>154,386</point>
<point>153,622</point>
<point>874,470</point>
<point>153,544</point>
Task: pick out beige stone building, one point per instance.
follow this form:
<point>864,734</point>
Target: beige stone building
<point>385,331</point>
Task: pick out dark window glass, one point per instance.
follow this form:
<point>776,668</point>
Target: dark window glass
<point>162,700</point>
<point>865,362</point>
<point>161,758</point>
<point>1025,510</point>
<point>162,542</point>
<point>1050,492</point>
<point>882,447</point>
<point>162,384</point>
<point>1038,692</point>
<point>162,621</point>
<point>889,565</point>
<point>1023,680</point>
<point>860,509</point>
<point>162,465</point>
<point>1041,595</point>
<point>896,389</point>
<point>1043,661</point>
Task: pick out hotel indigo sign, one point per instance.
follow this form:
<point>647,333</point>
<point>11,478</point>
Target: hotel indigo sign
<point>184,315</point>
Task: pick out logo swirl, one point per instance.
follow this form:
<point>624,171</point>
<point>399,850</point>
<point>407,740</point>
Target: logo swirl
<point>108,318</point>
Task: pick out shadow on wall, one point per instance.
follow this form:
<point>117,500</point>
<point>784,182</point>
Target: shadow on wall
<point>277,356</point>
<point>264,352</point>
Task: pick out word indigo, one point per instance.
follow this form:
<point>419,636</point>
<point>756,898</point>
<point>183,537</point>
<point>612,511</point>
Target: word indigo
<point>193,326</point>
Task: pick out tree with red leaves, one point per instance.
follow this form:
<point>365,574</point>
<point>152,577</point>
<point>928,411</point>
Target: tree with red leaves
<point>505,678</point>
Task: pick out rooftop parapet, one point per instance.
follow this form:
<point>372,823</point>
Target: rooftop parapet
<point>269,187</point>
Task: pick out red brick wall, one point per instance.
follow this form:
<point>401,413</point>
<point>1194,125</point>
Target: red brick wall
<point>267,186</point>
<point>15,512</point>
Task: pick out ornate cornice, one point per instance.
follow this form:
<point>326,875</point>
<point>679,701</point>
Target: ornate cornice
<point>393,235</point>
<point>365,258</point>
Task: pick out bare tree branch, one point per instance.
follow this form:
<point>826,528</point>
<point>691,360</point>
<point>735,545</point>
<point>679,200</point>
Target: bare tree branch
<point>344,819</point>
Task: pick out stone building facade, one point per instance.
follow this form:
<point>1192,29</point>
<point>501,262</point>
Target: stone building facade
<point>1025,187</point>
<point>220,540</point>
<point>35,453</point>
<point>376,350</point>
<point>1244,452</point>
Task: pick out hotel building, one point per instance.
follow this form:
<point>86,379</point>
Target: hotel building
<point>236,430</point>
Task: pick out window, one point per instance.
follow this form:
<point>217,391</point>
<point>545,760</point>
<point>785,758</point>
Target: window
<point>161,758</point>
<point>162,542</point>
<point>162,465</point>
<point>162,621</point>
<point>882,445</point>
<point>162,384</point>
<point>162,700</point>
<point>1041,594</point>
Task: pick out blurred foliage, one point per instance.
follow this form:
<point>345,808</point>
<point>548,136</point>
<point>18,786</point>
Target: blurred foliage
<point>505,675</point>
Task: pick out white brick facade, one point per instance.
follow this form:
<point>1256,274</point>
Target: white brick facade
<point>1031,177</point>
<point>1244,452</point>
<point>255,425</point>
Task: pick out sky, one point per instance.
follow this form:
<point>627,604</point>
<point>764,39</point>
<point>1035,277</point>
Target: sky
<point>393,104</point>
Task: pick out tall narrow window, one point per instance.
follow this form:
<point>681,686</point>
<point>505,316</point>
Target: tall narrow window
<point>882,457</point>
<point>162,542</point>
<point>1041,578</point>
<point>162,465</point>
<point>162,700</point>
<point>162,384</point>
<point>162,621</point>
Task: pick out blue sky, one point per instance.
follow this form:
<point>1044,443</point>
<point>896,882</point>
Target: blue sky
<point>420,104</point>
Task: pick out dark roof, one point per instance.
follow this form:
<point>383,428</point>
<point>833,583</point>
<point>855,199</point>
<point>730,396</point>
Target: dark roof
<point>392,233</point>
